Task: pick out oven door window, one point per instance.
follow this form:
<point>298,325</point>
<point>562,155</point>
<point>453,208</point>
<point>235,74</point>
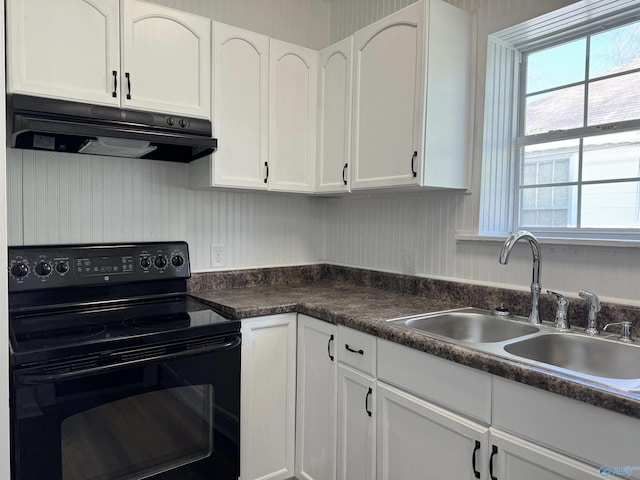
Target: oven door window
<point>139,436</point>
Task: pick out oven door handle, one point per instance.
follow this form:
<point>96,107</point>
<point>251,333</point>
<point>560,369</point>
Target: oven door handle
<point>60,377</point>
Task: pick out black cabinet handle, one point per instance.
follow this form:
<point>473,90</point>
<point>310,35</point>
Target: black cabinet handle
<point>329,347</point>
<point>366,401</point>
<point>413,159</point>
<point>266,164</point>
<point>346,345</point>
<point>128,77</point>
<point>476,473</point>
<point>494,451</point>
<point>114,94</point>
<point>344,169</point>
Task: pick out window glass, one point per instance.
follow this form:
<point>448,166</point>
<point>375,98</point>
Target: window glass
<point>556,66</point>
<point>610,157</point>
<point>553,162</point>
<point>611,205</point>
<point>615,50</point>
<point>614,99</point>
<point>558,110</point>
<point>554,207</point>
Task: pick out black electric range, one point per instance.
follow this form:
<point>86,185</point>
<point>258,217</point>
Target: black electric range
<point>107,335</point>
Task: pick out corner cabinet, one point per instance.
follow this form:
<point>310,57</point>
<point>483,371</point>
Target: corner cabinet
<point>411,98</point>
<point>293,106</point>
<point>334,117</point>
<point>268,397</point>
<point>316,400</point>
<point>162,64</point>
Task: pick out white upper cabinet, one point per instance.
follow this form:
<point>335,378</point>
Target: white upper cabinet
<point>240,107</point>
<point>334,117</point>
<point>71,49</point>
<point>411,99</point>
<point>65,49</point>
<point>388,72</point>
<point>166,60</point>
<point>292,126</point>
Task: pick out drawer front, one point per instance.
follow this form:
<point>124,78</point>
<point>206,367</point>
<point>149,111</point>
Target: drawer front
<point>357,349</point>
<point>453,386</point>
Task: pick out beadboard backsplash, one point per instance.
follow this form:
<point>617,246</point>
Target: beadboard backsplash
<point>70,198</point>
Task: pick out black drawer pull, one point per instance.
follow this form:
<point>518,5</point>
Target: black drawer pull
<point>344,170</point>
<point>329,347</point>
<point>366,401</point>
<point>476,473</point>
<point>413,159</point>
<point>494,451</point>
<point>114,94</point>
<point>266,164</point>
<point>128,77</point>
<point>346,345</point>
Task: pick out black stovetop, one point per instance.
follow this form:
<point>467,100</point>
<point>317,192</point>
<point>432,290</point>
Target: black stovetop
<point>65,332</point>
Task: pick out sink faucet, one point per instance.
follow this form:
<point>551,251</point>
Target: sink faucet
<point>594,308</point>
<point>537,258</point>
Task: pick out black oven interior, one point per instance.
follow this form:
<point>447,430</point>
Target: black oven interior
<point>124,379</point>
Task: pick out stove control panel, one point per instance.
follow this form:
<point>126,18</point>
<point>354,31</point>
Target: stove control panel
<point>51,266</point>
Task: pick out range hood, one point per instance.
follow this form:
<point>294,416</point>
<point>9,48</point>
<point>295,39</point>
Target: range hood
<point>62,126</point>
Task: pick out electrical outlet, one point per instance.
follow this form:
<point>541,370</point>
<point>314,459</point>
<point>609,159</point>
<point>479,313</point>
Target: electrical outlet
<point>218,257</point>
<point>409,261</point>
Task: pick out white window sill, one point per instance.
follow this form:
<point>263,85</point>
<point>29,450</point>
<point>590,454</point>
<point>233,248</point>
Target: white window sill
<point>578,242</point>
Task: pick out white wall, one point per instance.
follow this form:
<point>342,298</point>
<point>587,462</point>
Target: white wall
<point>69,198</point>
<point>303,22</point>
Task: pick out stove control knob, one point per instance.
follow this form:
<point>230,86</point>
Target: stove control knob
<point>177,261</point>
<point>19,270</point>
<point>145,262</point>
<point>43,269</point>
<point>62,267</point>
<point>160,262</point>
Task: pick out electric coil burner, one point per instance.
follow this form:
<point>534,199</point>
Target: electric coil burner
<point>116,372</point>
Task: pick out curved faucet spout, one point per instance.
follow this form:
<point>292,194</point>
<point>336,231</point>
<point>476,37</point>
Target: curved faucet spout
<point>534,317</point>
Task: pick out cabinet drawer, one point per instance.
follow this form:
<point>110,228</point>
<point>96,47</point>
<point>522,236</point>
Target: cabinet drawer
<point>456,387</point>
<point>357,350</point>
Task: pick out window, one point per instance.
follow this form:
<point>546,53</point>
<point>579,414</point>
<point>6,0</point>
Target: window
<point>562,125</point>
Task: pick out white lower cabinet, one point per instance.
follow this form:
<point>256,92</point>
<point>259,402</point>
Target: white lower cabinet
<point>356,425</point>
<point>268,393</point>
<point>316,402</point>
<point>417,439</point>
<point>512,458</point>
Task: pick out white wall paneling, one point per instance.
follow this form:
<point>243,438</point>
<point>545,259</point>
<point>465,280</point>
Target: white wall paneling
<point>303,22</point>
<point>82,198</point>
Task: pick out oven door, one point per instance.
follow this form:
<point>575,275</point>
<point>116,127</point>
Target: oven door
<point>167,417</point>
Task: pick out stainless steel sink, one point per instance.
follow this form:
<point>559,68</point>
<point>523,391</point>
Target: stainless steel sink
<point>581,354</point>
<point>471,325</point>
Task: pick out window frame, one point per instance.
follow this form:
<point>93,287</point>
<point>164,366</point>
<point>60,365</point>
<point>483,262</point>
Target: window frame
<point>504,117</point>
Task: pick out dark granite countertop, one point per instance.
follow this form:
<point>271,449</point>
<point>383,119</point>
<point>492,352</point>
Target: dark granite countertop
<point>366,308</point>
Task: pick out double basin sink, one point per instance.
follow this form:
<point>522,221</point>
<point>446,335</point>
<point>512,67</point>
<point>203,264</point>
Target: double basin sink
<point>605,361</point>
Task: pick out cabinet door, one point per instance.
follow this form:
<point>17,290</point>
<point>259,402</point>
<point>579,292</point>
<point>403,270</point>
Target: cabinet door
<point>240,107</point>
<point>334,116</point>
<point>316,400</point>
<point>388,100</point>
<point>166,57</point>
<point>67,49</point>
<point>516,459</point>
<point>267,402</point>
<point>419,440</point>
<point>293,106</point>
<point>356,425</point>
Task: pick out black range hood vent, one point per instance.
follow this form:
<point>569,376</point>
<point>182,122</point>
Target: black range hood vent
<point>38,123</point>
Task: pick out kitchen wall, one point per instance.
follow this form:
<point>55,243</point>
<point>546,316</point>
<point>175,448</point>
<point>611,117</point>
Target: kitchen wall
<point>70,198</point>
<point>63,198</point>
